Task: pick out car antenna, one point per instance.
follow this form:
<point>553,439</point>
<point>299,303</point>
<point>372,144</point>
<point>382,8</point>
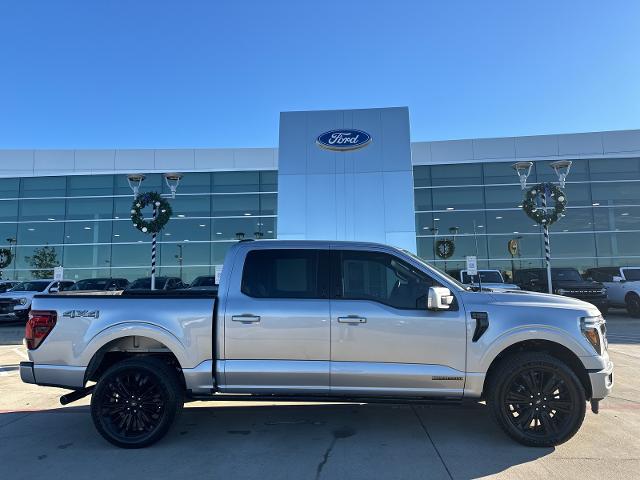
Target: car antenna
<point>475,238</point>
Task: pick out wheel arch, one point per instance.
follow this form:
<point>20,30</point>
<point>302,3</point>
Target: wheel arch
<point>121,342</point>
<point>554,349</point>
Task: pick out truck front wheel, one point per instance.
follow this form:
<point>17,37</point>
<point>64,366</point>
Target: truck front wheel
<point>136,401</point>
<point>537,400</point>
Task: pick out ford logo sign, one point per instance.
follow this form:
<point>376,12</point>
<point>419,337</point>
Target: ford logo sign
<point>342,140</point>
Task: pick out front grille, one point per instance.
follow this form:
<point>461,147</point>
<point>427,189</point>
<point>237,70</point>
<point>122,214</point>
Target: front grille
<point>585,293</point>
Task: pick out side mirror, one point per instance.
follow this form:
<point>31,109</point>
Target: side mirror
<point>439,298</point>
<point>618,279</point>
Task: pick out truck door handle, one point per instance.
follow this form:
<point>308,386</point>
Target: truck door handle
<point>246,318</point>
<point>352,319</point>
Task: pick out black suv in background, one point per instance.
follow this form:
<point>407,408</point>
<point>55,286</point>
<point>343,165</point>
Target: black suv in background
<point>565,281</point>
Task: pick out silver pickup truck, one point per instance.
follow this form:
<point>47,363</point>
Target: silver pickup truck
<point>322,321</point>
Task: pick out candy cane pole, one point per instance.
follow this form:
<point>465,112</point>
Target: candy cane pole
<point>547,246</point>
<point>153,251</point>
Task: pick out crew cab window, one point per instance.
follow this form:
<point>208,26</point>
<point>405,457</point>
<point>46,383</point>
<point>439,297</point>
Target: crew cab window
<point>282,273</point>
<point>632,274</point>
<point>383,278</point>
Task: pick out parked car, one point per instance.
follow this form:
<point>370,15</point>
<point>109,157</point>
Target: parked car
<point>622,284</point>
<point>7,285</point>
<point>488,278</point>
<point>162,283</point>
<point>18,299</point>
<point>100,284</point>
<point>323,320</point>
<point>205,282</point>
<point>565,281</point>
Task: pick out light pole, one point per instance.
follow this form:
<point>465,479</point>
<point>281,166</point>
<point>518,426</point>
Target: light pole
<point>173,180</point>
<point>562,168</point>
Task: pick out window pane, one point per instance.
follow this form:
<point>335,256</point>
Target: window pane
<point>467,174</point>
<point>225,182</point>
<point>44,187</point>
<point>219,250</point>
<point>88,232</point>
<point>192,254</point>
<point>614,168</point>
<point>8,210</point>
<point>190,183</point>
<point>617,218</point>
<point>503,172</point>
<point>458,198</point>
<point>89,185</point>
<point>40,233</point>
<point>87,256</point>
<point>48,209</point>
<point>423,199</point>
<point>269,181</point>
<point>89,208</point>
<point>268,204</point>
<point>383,278</point>
<point>529,246</point>
<point>422,176</point>
<point>281,274</point>
<point>572,245</point>
<point>616,193</point>
<point>235,205</point>
<point>507,196</point>
<point>9,187</point>
<point>544,172</point>
<point>618,244</point>
<point>153,182</point>
<point>242,228</point>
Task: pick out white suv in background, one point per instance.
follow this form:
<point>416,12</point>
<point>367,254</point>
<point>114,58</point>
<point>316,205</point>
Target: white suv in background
<point>18,299</point>
<point>623,286</point>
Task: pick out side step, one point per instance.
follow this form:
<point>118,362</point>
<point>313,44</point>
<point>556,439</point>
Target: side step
<point>231,397</point>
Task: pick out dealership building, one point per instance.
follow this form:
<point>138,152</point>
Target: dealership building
<point>345,175</point>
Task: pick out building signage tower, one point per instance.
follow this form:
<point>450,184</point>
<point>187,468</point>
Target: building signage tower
<point>346,175</point>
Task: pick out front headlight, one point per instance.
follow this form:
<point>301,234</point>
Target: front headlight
<point>23,301</point>
<point>561,291</point>
<point>593,330</point>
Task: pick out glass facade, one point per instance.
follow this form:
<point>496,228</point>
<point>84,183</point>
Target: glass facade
<point>601,226</point>
<point>86,220</point>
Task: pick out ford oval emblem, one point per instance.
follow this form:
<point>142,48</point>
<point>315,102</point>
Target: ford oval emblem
<point>344,139</point>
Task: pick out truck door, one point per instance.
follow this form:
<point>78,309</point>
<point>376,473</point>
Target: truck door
<point>383,339</point>
<point>277,327</point>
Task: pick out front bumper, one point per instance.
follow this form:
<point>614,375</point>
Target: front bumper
<point>26,372</point>
<point>601,382</point>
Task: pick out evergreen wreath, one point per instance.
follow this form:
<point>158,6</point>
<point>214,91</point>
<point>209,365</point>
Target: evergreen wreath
<point>555,197</point>
<point>445,248</point>
<point>163,210</point>
<point>5,257</point>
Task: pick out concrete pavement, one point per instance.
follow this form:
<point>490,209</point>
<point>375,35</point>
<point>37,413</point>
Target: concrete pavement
<point>38,438</point>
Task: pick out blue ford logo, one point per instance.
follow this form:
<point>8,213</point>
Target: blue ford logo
<point>342,140</point>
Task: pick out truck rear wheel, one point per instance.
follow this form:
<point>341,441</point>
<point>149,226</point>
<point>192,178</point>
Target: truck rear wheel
<point>136,401</point>
<point>537,400</point>
<point>633,304</point>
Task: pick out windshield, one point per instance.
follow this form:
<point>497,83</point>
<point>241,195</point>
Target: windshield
<point>145,283</point>
<point>30,287</point>
<point>204,282</point>
<point>565,274</point>
<point>431,268</point>
<point>631,274</point>
<point>487,276</point>
<point>92,284</point>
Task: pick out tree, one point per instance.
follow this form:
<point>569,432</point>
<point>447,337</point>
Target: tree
<point>42,262</point>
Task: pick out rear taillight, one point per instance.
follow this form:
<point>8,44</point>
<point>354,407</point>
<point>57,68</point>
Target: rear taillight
<point>38,327</point>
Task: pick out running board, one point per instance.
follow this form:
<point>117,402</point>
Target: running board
<point>230,397</point>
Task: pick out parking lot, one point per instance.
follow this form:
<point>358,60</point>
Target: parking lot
<point>39,438</point>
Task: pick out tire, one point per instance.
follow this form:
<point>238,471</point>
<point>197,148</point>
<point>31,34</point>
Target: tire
<point>632,302</point>
<point>528,376</point>
<point>127,384</point>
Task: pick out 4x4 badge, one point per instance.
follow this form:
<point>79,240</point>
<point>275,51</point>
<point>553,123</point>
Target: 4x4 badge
<point>82,313</point>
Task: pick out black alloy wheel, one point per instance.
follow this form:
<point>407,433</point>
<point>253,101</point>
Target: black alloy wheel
<point>136,401</point>
<point>633,305</point>
<point>537,400</point>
